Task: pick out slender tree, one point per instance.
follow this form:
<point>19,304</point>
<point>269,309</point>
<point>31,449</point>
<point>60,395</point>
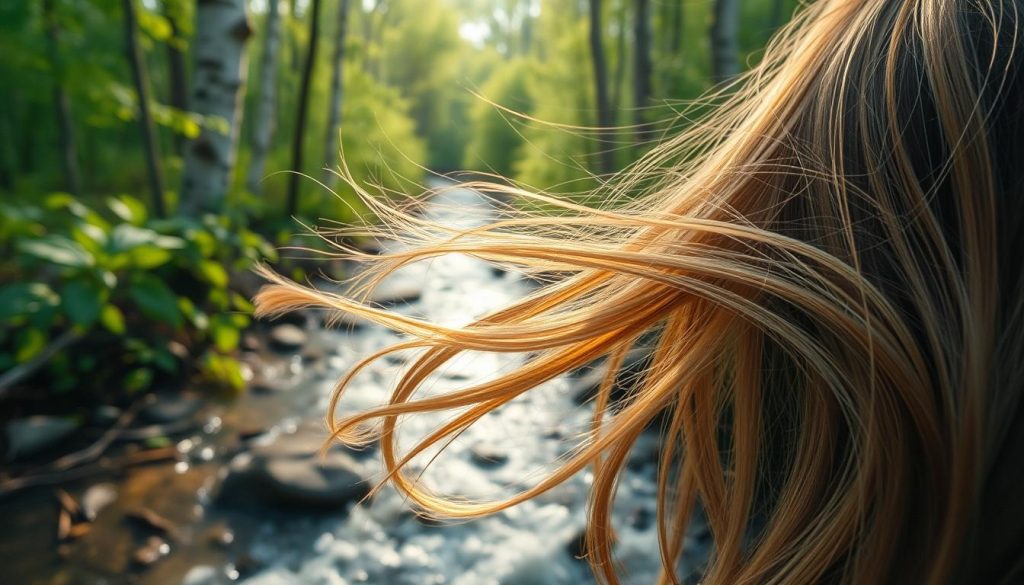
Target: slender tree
<point>264,123</point>
<point>337,88</point>
<point>604,112</point>
<point>675,27</point>
<point>62,105</point>
<point>621,49</point>
<point>642,68</point>
<point>300,124</point>
<point>156,180</point>
<point>725,61</point>
<point>222,28</point>
<point>177,73</point>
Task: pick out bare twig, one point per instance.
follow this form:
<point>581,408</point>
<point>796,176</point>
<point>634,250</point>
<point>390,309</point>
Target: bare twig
<point>104,466</point>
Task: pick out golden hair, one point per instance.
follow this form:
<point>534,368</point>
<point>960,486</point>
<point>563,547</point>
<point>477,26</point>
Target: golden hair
<point>827,264</point>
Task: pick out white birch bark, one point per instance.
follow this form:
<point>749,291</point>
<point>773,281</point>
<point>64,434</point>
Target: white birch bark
<point>264,124</point>
<point>222,28</point>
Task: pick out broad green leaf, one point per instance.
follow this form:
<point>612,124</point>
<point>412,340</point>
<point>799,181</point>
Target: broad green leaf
<point>224,333</point>
<point>155,300</point>
<point>128,208</point>
<point>23,298</point>
<point>126,237</point>
<point>222,371</point>
<point>82,302</point>
<point>148,257</point>
<point>213,273</point>
<point>29,343</point>
<point>113,319</point>
<point>58,250</point>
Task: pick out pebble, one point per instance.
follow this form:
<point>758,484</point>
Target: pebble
<point>287,337</point>
<point>333,482</point>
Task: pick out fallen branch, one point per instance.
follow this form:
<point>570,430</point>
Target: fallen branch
<point>104,466</point>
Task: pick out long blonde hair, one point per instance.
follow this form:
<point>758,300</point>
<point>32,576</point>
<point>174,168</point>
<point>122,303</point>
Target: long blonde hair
<point>826,263</point>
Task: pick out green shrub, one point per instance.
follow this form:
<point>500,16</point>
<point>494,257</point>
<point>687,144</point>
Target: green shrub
<point>143,298</point>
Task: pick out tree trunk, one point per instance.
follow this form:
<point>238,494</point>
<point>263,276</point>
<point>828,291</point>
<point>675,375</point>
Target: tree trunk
<point>156,180</point>
<point>604,112</point>
<point>619,76</point>
<point>675,34</point>
<point>178,79</point>
<point>642,69</point>
<point>264,124</point>
<point>218,86</point>
<point>300,124</point>
<point>62,106</point>
<point>725,61</point>
<point>776,17</point>
<point>337,88</point>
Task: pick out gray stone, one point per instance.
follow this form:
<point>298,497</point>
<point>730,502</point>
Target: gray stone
<point>287,337</point>
<point>152,551</point>
<point>332,482</point>
<point>168,408</point>
<point>488,455</point>
<point>31,435</point>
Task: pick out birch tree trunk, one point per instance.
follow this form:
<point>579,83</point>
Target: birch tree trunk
<point>62,106</point>
<point>222,28</point>
<point>264,124</point>
<point>176,71</point>
<point>642,69</point>
<point>604,112</point>
<point>156,180</point>
<point>725,61</point>
<point>337,89</point>
<point>298,140</point>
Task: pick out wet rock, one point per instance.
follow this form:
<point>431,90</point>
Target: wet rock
<point>250,342</point>
<point>287,337</point>
<point>152,551</point>
<point>265,386</point>
<point>96,498</point>
<point>168,408</point>
<point>34,434</point>
<point>332,482</point>
<point>488,455</point>
<point>154,521</point>
<point>313,353</point>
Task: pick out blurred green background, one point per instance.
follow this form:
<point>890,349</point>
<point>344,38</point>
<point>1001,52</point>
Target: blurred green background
<point>143,144</point>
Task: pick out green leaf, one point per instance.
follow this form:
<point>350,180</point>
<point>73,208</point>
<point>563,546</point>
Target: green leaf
<point>58,250</point>
<point>113,319</point>
<point>128,209</point>
<point>82,302</point>
<point>155,300</point>
<point>224,333</point>
<point>126,237</point>
<point>29,343</point>
<point>222,371</point>
<point>213,273</point>
<point>148,257</point>
<point>24,298</point>
<point>138,379</point>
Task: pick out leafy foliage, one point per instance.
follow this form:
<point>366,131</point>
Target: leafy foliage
<point>150,298</point>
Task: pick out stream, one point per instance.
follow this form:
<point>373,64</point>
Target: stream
<point>247,500</point>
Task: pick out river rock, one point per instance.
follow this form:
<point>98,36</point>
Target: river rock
<point>168,408</point>
<point>488,455</point>
<point>155,549</point>
<point>331,482</point>
<point>287,337</point>
<point>31,435</point>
